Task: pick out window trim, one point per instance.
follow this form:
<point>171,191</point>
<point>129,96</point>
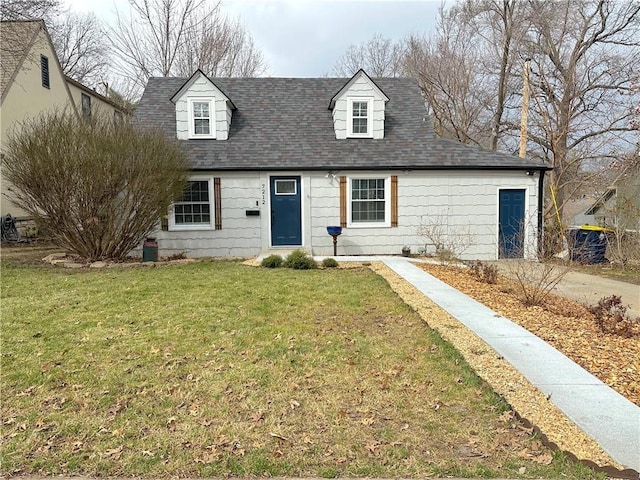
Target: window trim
<point>85,113</point>
<point>282,180</point>
<point>387,202</point>
<point>212,117</point>
<point>350,117</point>
<point>173,226</point>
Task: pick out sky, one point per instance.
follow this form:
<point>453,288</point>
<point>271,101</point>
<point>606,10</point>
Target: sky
<point>305,38</point>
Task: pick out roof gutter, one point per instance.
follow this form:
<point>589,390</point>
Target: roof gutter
<point>540,168</point>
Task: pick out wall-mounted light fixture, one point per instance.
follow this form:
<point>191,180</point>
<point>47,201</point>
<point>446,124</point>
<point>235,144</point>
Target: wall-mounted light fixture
<point>530,173</point>
<point>331,174</point>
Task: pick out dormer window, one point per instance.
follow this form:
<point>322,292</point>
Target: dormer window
<point>358,109</point>
<point>360,121</point>
<point>203,111</point>
<point>201,115</point>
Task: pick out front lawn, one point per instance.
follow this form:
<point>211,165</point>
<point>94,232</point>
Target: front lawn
<point>216,368</point>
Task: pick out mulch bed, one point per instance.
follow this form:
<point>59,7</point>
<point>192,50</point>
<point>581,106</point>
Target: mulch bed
<point>567,325</point>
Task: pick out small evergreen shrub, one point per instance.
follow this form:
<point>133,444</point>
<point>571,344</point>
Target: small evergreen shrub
<point>329,263</point>
<point>272,261</point>
<point>611,317</point>
<point>298,260</point>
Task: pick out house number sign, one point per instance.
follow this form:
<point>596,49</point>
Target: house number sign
<point>264,193</point>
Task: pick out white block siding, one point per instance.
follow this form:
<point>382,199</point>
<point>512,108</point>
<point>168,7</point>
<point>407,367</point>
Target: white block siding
<point>466,200</point>
<point>240,236</point>
<point>360,88</point>
<point>203,89</point>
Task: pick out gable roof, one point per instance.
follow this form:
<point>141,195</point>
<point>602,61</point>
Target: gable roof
<point>600,202</point>
<point>17,39</point>
<point>191,80</point>
<point>95,94</point>
<point>352,80</point>
<point>284,124</point>
<point>629,177</point>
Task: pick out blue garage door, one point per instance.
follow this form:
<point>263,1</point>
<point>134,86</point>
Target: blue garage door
<point>511,223</point>
<point>286,218</point>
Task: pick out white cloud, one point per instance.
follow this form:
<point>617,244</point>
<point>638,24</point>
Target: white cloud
<point>304,38</point>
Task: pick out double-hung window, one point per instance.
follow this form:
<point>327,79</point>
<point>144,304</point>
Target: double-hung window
<point>194,209</point>
<point>360,117</point>
<point>369,202</point>
<point>201,118</point>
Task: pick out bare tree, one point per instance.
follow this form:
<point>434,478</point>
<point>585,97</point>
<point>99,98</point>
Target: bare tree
<point>502,25</point>
<point>77,38</point>
<point>81,47</point>
<point>445,66</point>
<point>15,37</point>
<point>167,37</point>
<point>379,57</point>
<point>468,69</point>
<point>220,48</point>
<point>29,9</point>
<point>584,54</point>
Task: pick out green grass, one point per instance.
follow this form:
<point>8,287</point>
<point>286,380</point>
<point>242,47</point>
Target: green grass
<point>215,368</point>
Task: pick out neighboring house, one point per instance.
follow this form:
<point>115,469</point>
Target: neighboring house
<point>576,212</point>
<point>32,82</point>
<point>619,205</point>
<point>274,161</point>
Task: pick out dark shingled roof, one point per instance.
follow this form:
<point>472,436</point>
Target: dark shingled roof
<point>284,124</point>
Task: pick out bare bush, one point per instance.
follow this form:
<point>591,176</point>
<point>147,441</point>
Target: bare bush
<point>485,272</point>
<point>448,242</point>
<point>611,317</point>
<point>535,281</point>
<point>98,188</point>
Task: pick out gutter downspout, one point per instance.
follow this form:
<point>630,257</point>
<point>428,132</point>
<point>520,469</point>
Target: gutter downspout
<point>541,214</point>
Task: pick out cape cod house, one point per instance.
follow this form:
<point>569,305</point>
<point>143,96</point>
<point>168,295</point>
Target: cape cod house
<point>274,161</point>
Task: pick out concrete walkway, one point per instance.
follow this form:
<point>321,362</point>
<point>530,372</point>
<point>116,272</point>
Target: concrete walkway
<point>608,417</point>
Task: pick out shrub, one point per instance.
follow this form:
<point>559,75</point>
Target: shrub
<point>611,317</point>
<point>485,272</point>
<point>534,281</point>
<point>272,261</point>
<point>329,263</point>
<point>97,188</point>
<point>448,241</point>
<point>298,260</point>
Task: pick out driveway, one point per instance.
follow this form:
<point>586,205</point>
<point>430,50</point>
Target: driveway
<point>585,288</point>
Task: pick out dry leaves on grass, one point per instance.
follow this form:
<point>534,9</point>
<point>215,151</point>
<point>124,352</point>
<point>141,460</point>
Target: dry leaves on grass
<point>567,325</point>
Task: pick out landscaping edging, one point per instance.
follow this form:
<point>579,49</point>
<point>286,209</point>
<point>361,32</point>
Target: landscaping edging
<point>67,261</point>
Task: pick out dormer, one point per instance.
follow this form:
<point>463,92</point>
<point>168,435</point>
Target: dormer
<point>358,109</point>
<point>203,111</point>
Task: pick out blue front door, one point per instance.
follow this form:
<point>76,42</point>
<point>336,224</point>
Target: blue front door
<point>286,218</point>
<point>511,223</point>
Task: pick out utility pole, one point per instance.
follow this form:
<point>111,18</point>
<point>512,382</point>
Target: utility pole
<point>525,111</point>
